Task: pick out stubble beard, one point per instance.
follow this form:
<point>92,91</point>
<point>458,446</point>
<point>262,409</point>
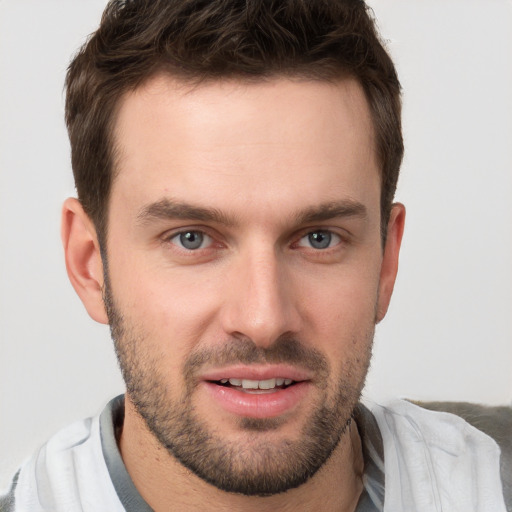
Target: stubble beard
<point>260,466</point>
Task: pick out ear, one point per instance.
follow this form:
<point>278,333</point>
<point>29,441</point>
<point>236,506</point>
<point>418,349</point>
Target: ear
<point>83,258</point>
<point>389,266</point>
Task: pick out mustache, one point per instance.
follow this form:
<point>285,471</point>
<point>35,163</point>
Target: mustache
<point>285,350</point>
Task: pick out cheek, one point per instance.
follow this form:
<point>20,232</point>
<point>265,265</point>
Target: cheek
<point>346,287</point>
<point>173,308</point>
<point>340,310</point>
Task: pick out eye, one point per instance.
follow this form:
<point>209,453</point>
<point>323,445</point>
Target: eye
<point>191,240</point>
<point>320,239</point>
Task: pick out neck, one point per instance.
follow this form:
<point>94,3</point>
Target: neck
<point>166,485</point>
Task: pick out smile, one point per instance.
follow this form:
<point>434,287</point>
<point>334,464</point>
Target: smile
<point>257,386</point>
<point>262,398</point>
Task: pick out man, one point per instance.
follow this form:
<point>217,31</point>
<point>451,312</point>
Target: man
<point>235,167</point>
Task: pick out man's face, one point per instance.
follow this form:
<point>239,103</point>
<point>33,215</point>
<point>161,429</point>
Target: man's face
<point>244,256</point>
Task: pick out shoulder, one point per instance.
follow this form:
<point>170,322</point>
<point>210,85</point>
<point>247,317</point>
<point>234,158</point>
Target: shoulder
<point>496,422</point>
<point>36,476</point>
<point>438,457</point>
<point>67,473</point>
<point>51,470</point>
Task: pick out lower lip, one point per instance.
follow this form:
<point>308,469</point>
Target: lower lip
<point>257,405</point>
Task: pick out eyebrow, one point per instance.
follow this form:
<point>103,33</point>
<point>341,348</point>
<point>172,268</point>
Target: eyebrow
<point>169,209</point>
<point>332,210</point>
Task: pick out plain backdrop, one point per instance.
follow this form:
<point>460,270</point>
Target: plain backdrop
<point>448,334</point>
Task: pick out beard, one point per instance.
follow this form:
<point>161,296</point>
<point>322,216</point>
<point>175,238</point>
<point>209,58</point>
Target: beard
<point>258,466</point>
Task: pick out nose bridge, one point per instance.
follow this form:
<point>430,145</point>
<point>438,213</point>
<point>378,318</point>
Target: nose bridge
<point>261,302</point>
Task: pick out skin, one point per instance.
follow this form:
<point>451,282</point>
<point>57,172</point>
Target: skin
<point>268,172</point>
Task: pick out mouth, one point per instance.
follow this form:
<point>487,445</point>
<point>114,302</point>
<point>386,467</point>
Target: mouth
<point>265,386</point>
<point>258,392</point>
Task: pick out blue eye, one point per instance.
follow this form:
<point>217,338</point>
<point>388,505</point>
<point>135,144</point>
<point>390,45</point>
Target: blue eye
<point>191,240</point>
<point>320,239</point>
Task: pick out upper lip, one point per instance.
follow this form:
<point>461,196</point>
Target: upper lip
<point>257,372</point>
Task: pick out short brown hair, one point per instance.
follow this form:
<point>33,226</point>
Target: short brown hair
<point>201,40</point>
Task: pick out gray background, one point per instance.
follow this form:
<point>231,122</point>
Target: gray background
<point>448,334</point>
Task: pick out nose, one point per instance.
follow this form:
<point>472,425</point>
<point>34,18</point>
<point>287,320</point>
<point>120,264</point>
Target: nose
<point>261,302</point>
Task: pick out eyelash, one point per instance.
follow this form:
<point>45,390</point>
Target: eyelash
<point>171,241</point>
<point>339,239</point>
<point>190,232</point>
<point>324,232</point>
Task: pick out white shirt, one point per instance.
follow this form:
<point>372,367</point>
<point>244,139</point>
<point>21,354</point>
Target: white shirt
<point>433,462</point>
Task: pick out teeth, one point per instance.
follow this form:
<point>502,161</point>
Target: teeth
<point>258,384</point>
<point>267,384</point>
<point>250,384</point>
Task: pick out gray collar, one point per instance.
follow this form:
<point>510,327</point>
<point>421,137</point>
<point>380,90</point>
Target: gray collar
<point>111,423</point>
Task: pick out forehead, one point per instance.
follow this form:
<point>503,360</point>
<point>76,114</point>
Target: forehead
<point>268,141</point>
